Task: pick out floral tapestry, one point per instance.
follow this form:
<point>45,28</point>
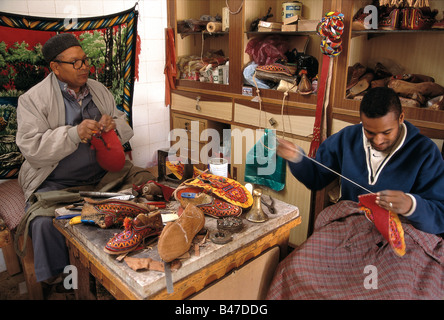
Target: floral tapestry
<point>110,41</point>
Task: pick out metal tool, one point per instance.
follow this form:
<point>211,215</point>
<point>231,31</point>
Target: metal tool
<point>270,205</point>
<point>168,277</point>
<point>98,194</point>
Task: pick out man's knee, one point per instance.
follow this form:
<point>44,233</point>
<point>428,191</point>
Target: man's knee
<point>41,224</point>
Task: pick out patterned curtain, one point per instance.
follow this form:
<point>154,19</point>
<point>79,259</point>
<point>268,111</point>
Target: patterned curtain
<point>111,42</point>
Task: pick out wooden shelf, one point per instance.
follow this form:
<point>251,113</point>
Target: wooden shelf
<point>374,33</point>
<point>282,33</point>
<point>205,33</point>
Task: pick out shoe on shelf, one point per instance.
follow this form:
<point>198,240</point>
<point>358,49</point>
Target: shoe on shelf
<point>422,19</point>
<point>390,21</point>
<point>355,72</point>
<point>439,24</point>
<point>358,20</point>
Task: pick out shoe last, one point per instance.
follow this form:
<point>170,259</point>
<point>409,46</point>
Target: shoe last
<point>177,236</point>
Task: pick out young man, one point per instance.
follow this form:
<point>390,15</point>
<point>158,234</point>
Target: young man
<point>384,154</point>
<point>346,257</point>
<point>56,120</point>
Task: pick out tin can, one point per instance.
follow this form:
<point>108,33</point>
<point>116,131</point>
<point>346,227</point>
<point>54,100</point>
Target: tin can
<point>290,9</point>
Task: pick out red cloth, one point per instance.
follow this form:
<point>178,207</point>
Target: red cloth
<point>170,70</point>
<point>109,151</point>
<point>316,141</point>
<point>386,222</point>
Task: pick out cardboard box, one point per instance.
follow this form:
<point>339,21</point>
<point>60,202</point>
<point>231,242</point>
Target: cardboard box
<point>291,20</point>
<point>290,27</point>
<point>269,26</point>
<point>307,25</point>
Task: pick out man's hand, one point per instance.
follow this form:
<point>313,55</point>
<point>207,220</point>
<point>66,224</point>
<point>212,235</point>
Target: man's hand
<point>396,201</point>
<point>87,128</point>
<point>107,123</point>
<point>288,150</point>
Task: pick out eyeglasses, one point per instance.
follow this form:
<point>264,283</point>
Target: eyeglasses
<point>77,64</point>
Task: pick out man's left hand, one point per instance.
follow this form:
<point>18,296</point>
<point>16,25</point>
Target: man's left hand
<point>396,201</point>
<point>107,123</point>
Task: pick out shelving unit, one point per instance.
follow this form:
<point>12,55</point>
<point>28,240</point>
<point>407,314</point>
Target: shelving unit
<point>415,51</point>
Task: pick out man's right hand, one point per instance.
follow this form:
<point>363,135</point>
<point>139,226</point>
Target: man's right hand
<point>87,128</point>
<point>288,150</point>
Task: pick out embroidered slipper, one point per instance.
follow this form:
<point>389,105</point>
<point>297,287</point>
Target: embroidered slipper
<point>387,222</point>
<point>136,230</point>
<point>278,68</point>
<point>225,188</point>
<point>210,206</point>
<point>178,169</point>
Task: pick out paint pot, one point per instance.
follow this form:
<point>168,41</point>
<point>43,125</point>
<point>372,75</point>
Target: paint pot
<point>218,167</point>
<point>290,9</point>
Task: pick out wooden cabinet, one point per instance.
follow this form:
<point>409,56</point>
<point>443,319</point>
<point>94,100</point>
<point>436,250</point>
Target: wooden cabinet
<point>202,105</point>
<point>192,138</point>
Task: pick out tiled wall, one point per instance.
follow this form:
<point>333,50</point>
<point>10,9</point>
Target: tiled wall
<point>151,117</point>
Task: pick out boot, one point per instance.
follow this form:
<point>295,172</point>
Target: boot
<point>380,82</point>
<point>143,226</point>
<point>177,236</point>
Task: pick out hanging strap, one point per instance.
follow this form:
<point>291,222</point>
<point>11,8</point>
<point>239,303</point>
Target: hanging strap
<point>170,70</point>
<point>324,82</point>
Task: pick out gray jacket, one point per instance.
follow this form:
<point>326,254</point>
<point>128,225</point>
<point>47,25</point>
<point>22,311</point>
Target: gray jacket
<point>43,137</point>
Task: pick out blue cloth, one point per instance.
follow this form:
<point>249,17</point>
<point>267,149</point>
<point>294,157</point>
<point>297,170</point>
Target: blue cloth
<point>248,76</point>
<point>416,168</point>
<point>49,245</point>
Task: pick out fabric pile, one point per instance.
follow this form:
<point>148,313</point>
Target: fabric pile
<point>348,258</point>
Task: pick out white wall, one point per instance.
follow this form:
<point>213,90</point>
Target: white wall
<point>150,116</point>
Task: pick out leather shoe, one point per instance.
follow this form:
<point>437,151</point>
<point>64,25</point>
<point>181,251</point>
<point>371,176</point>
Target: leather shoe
<point>177,236</point>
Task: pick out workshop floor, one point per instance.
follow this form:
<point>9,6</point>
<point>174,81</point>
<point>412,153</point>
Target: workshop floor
<point>14,288</point>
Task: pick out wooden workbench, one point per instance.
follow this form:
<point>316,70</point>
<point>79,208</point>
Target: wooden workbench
<point>86,243</point>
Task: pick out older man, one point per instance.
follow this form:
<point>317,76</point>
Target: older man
<point>56,121</point>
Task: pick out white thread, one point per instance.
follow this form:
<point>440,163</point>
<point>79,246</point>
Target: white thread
<point>337,173</point>
<point>234,12</point>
